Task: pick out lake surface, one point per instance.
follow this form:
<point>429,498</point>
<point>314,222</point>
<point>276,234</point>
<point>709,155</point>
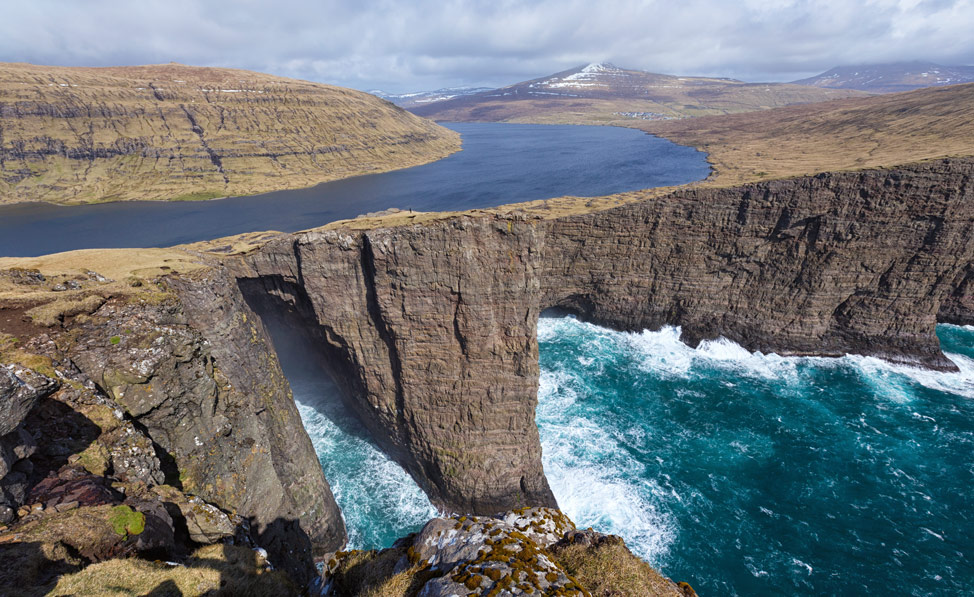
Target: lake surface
<point>499,164</point>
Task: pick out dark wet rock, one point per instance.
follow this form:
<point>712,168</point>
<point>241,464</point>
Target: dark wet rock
<point>20,389</point>
<point>72,484</point>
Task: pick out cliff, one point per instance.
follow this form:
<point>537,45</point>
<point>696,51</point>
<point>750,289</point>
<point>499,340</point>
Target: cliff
<point>430,328</point>
<point>428,324</point>
<point>161,395</point>
<point>175,132</point>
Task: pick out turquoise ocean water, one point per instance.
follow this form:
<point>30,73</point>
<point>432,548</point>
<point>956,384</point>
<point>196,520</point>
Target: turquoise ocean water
<point>741,473</point>
<point>750,474</point>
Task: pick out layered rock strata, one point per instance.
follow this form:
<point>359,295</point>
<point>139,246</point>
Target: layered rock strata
<point>173,393</point>
<point>430,329</point>
<point>176,132</point>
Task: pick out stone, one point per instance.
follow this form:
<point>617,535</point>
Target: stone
<point>206,523</point>
<point>20,390</point>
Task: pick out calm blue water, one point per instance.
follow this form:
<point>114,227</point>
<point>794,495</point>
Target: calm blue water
<point>751,474</point>
<point>500,163</point>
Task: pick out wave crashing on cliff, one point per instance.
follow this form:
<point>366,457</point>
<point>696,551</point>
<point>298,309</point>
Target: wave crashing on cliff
<point>379,500</point>
<point>750,474</point>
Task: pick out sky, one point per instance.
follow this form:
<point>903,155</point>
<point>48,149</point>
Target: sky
<point>399,46</point>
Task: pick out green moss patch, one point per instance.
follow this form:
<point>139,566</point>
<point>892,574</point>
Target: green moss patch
<point>126,521</point>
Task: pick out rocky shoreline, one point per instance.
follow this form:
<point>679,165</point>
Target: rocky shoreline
<point>145,413</point>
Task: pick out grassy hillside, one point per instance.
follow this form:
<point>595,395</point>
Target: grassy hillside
<point>851,134</point>
<point>842,135</point>
<point>175,132</point>
<point>603,94</point>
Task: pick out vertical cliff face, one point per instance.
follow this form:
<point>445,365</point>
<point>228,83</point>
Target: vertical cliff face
<point>840,263</point>
<point>195,370</point>
<point>430,329</point>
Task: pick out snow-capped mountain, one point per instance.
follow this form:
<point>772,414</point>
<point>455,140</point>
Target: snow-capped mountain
<point>886,78</point>
<point>613,92</point>
<point>419,98</point>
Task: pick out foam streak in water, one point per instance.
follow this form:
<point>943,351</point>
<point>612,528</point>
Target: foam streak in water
<point>379,500</point>
<point>750,474</point>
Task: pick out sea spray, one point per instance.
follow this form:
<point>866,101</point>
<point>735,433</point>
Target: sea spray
<point>379,500</point>
<point>751,474</point>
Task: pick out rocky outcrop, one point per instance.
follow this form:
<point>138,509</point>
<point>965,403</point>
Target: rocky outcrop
<point>20,388</point>
<point>173,405</point>
<point>197,372</point>
<point>430,329</point>
<point>521,552</point>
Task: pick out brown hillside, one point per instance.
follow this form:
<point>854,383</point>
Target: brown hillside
<point>843,135</point>
<point>171,132</point>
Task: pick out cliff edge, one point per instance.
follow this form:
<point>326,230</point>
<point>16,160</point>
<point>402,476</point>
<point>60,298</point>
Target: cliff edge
<point>430,328</point>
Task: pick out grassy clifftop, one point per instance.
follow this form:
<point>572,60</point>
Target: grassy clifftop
<point>175,132</point>
<point>849,134</point>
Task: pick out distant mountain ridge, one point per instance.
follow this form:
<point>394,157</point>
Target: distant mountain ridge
<point>419,98</point>
<point>890,78</point>
<point>602,92</point>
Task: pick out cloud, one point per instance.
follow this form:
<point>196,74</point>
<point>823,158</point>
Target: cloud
<point>424,44</point>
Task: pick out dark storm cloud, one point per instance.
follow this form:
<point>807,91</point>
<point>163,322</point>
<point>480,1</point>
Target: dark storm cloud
<point>425,44</point>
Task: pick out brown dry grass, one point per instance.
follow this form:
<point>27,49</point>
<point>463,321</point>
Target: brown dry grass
<point>224,570</point>
<point>119,266</point>
<point>853,134</point>
<point>612,571</point>
<point>155,129</point>
<point>126,273</point>
<point>372,574</point>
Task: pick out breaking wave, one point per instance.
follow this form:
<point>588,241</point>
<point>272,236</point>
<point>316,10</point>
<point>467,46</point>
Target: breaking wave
<point>745,473</point>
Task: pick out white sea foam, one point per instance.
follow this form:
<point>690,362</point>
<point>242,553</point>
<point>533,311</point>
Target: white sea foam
<point>592,470</point>
<point>663,353</point>
<point>368,486</point>
<point>611,499</point>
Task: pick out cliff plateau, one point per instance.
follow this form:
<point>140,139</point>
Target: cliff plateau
<point>431,329</point>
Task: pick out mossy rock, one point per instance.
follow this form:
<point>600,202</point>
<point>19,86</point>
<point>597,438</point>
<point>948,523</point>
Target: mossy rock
<point>125,521</point>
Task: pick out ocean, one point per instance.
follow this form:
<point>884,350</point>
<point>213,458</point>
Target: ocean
<point>738,472</point>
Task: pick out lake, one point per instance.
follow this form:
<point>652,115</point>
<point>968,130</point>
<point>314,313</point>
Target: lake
<point>499,164</point>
